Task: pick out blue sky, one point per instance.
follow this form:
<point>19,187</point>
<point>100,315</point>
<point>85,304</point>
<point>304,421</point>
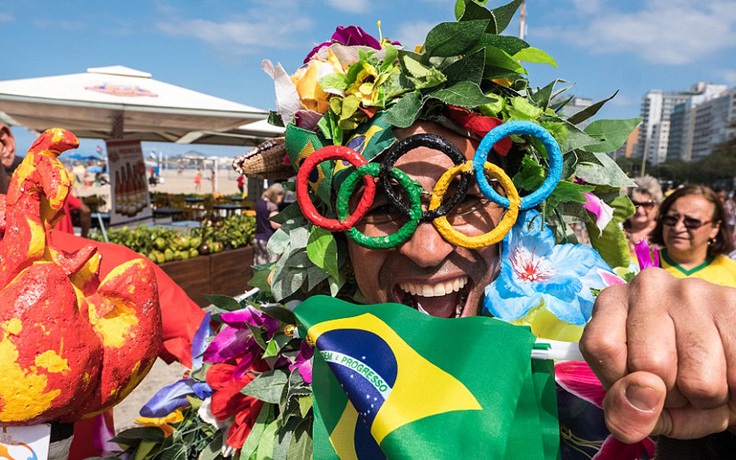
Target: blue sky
<point>217,46</point>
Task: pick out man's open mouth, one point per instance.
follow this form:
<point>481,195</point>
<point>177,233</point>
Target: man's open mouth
<point>445,300</point>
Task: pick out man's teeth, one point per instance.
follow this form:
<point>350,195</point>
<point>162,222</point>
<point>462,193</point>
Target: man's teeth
<point>458,310</point>
<point>436,290</point>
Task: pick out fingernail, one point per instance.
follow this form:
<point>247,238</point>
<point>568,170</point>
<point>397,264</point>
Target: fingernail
<point>643,398</point>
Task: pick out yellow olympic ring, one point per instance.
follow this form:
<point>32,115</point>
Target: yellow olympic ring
<point>499,231</point>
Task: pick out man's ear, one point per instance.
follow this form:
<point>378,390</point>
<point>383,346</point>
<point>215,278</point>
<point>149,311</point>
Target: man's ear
<point>7,146</point>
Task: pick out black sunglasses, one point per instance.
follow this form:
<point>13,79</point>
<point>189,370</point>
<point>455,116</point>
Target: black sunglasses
<point>648,205</point>
<point>690,223</point>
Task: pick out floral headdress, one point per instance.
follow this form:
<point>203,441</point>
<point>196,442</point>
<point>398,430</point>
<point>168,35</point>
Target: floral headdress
<point>352,90</point>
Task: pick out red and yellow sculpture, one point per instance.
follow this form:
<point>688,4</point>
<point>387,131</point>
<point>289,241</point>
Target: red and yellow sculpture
<point>71,344</point>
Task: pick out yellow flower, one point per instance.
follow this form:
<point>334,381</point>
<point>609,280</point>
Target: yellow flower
<point>306,81</point>
<point>367,85</point>
<point>163,422</point>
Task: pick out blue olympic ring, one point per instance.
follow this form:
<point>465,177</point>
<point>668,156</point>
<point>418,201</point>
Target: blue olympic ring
<point>519,127</point>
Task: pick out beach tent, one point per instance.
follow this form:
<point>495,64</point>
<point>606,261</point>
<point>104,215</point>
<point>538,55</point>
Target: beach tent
<point>121,103</point>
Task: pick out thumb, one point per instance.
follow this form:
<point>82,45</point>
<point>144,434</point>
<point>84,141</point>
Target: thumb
<point>633,406</point>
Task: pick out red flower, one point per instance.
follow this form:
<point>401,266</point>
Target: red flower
<point>479,125</point>
<point>228,401</point>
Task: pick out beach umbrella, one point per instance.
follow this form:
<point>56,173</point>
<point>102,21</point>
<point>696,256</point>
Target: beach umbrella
<point>121,103</point>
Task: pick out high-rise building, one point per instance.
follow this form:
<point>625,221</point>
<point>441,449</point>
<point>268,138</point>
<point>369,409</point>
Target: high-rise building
<point>657,107</point>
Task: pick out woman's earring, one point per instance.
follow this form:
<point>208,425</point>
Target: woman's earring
<point>711,241</point>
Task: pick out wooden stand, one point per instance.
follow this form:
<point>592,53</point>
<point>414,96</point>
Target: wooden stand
<point>224,273</point>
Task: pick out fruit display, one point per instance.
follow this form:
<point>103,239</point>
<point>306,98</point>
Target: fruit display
<point>166,244</point>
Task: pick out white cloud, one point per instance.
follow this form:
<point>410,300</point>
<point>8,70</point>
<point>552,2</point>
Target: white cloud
<point>350,6</point>
<point>6,17</point>
<point>728,76</point>
<point>412,34</point>
<point>674,32</point>
<point>277,26</point>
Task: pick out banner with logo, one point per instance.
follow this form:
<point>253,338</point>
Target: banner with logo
<point>130,201</point>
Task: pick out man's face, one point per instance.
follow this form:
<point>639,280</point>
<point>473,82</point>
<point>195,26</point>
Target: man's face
<point>7,146</point>
<point>426,272</point>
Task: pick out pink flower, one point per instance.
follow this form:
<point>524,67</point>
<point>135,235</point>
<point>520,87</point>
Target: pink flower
<point>646,256</point>
<point>303,362</point>
<point>576,378</point>
<point>603,213</point>
<point>348,36</point>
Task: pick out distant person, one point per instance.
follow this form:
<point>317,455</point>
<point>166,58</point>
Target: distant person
<point>266,207</point>
<point>691,228</point>
<point>212,179</point>
<point>646,196</point>
<point>198,181</point>
<point>241,184</point>
<point>75,205</point>
<point>729,207</point>
<point>7,156</point>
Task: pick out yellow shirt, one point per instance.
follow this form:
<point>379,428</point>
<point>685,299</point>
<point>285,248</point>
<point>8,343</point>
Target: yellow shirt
<point>720,270</point>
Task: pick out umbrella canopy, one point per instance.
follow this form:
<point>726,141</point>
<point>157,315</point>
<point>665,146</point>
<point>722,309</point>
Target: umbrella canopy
<point>83,156</point>
<point>122,103</point>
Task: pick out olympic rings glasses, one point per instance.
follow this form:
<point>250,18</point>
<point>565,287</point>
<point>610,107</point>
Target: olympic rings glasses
<point>690,223</point>
<point>409,204</point>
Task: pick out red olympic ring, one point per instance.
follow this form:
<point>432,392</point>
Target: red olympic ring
<point>332,152</point>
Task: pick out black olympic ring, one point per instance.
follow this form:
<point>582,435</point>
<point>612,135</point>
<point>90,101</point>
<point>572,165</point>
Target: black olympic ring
<point>434,142</point>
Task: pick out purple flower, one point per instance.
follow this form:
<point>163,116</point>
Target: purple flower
<point>303,362</point>
<point>171,397</point>
<point>199,341</point>
<point>348,36</point>
<point>237,341</point>
<point>646,255</point>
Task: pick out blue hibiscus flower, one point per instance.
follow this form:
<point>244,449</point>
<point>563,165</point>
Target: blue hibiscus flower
<point>535,272</point>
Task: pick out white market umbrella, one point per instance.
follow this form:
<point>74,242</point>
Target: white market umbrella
<point>121,103</point>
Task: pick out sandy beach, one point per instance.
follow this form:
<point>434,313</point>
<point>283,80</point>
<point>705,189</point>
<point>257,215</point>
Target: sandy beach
<point>175,182</point>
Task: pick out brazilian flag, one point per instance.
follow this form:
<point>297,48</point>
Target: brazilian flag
<point>390,382</point>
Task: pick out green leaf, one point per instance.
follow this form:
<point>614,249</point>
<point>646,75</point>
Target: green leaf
<point>148,433</point>
<point>589,111</point>
<point>212,451</point>
<point>301,441</point>
<point>421,76</point>
<point>224,302</point>
<point>469,68</point>
<point>569,192</point>
<point>333,81</point>
<point>305,405</point>
<point>463,94</point>
<point>405,112</point>
<point>498,58</point>
<point>471,10</point>
<point>265,417</point>
<point>531,174</point>
<point>267,442</point>
<point>274,346</point>
<point>612,244</point>
<point>268,386</point>
<point>506,43</point>
<point>144,448</point>
<point>522,109</point>
<point>610,134</point>
<point>322,250</point>
<point>536,56</point>
<point>600,169</point>
<point>504,14</point>
<point>280,313</point>
<point>392,54</point>
<point>454,38</point>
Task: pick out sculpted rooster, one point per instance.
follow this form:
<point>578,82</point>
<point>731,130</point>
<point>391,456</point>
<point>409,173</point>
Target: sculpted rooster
<point>71,344</point>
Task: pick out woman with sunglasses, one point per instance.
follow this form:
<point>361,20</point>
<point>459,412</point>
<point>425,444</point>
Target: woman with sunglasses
<point>646,197</point>
<point>692,229</point>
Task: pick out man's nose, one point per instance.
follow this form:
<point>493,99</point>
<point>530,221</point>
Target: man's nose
<point>426,247</point>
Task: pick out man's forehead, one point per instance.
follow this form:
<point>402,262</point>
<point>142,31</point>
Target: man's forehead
<point>465,145</point>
